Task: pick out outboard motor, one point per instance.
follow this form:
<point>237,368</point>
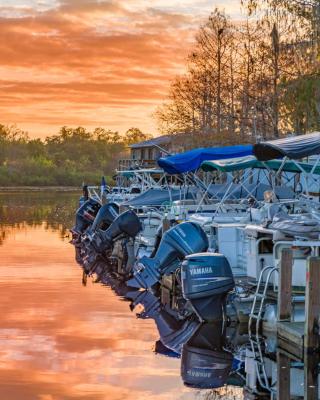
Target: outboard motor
<point>108,278</point>
<point>173,332</point>
<point>204,362</point>
<point>157,241</point>
<point>160,348</point>
<point>158,237</point>
<point>178,242</point>
<point>126,224</point>
<point>106,215</point>
<point>85,216</point>
<point>206,279</point>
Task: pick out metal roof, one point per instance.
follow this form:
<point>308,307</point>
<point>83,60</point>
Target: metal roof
<point>158,141</point>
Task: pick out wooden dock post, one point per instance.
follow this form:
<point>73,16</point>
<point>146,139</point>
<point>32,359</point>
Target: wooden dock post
<point>311,376</point>
<point>312,305</point>
<point>311,329</point>
<point>283,376</point>
<point>285,286</point>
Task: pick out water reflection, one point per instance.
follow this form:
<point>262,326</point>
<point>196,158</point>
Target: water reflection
<point>65,335</point>
<point>60,339</point>
<point>218,358</point>
<point>52,210</point>
<point>205,350</point>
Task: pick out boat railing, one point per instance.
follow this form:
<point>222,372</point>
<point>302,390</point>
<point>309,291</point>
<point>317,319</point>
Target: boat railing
<point>95,192</point>
<point>126,164</point>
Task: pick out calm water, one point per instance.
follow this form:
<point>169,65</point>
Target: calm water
<point>61,340</point>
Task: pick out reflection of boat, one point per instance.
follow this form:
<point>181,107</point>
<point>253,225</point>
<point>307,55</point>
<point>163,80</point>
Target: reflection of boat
<point>205,363</point>
<point>174,331</point>
<point>160,348</point>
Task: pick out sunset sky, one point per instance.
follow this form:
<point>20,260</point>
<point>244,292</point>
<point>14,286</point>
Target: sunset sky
<point>93,63</point>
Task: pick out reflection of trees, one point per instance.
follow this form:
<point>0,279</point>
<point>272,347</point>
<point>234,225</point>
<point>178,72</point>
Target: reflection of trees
<point>54,210</point>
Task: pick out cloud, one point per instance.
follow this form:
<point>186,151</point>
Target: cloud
<point>91,62</point>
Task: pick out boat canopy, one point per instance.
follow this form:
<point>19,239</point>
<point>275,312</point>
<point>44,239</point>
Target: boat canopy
<point>191,160</point>
<point>250,162</point>
<point>293,147</point>
<point>229,165</point>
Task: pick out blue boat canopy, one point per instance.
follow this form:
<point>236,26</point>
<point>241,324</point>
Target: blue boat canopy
<point>293,147</point>
<point>191,160</point>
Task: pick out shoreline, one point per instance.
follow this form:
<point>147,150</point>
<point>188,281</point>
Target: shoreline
<point>40,189</point>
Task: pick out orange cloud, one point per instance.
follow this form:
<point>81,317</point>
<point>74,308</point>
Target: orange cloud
<point>90,63</point>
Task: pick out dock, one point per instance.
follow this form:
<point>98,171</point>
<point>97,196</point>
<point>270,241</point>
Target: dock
<point>299,338</point>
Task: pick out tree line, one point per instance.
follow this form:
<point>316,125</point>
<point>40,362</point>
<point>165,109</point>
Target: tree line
<point>250,80</point>
<point>72,156</point>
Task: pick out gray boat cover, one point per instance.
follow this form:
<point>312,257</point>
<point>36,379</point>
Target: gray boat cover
<point>158,197</point>
<point>296,226</point>
<point>295,147</point>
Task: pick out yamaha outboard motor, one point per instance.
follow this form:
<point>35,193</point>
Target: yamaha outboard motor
<point>106,215</point>
<point>160,348</point>
<point>158,237</point>
<point>173,332</point>
<point>85,216</point>
<point>204,362</point>
<point>126,224</point>
<point>178,242</point>
<point>108,278</point>
<point>157,241</point>
<point>206,279</point>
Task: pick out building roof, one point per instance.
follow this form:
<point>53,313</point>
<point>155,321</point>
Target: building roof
<point>158,141</point>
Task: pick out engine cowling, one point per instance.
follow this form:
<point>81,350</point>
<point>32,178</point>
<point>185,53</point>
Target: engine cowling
<point>206,280</point>
<point>105,216</point>
<point>85,216</point>
<point>126,224</point>
<point>178,242</point>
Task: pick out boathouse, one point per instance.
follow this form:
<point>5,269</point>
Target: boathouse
<point>146,153</point>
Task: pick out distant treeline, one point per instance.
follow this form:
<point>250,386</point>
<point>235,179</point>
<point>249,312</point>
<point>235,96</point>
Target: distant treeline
<point>66,159</point>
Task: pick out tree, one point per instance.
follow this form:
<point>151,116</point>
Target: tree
<point>68,158</point>
<point>296,67</point>
<point>202,100</point>
<point>258,79</point>
<point>135,135</point>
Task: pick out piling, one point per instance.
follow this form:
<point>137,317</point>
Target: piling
<point>283,376</point>
<point>299,338</point>
<point>312,305</point>
<point>285,285</point>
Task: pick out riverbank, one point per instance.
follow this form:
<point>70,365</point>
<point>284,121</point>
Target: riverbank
<point>40,188</point>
